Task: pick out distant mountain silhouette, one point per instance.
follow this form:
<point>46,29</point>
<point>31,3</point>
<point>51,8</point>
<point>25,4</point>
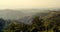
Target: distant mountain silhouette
<point>16,14</point>
<point>8,14</point>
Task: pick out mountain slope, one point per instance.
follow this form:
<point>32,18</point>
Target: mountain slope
<point>11,14</point>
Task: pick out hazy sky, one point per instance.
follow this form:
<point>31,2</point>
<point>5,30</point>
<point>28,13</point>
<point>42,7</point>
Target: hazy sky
<point>29,4</point>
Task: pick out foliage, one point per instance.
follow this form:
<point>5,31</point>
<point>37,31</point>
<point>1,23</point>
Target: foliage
<point>44,24</point>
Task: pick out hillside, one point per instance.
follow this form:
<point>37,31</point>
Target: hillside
<point>42,22</point>
<point>15,14</point>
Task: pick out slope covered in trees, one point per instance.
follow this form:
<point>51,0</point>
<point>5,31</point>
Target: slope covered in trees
<point>48,23</point>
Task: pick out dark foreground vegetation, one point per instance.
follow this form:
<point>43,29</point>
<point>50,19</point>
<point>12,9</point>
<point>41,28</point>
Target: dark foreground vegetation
<point>49,23</point>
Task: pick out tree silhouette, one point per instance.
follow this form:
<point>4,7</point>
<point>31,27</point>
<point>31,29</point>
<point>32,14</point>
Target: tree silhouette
<point>2,24</point>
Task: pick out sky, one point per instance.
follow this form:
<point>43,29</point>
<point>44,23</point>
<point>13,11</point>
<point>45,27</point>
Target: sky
<point>25,4</point>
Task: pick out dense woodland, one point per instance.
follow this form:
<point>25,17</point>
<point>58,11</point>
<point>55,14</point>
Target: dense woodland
<point>49,23</point>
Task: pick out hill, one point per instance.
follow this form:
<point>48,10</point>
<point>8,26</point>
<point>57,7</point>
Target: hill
<point>42,22</point>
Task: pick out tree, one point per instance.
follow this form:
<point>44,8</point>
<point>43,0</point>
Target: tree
<point>14,27</point>
<point>2,24</point>
<point>38,23</point>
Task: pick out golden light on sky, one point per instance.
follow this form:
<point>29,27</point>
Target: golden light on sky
<point>29,4</point>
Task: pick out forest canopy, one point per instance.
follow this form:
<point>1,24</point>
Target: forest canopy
<point>49,23</point>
